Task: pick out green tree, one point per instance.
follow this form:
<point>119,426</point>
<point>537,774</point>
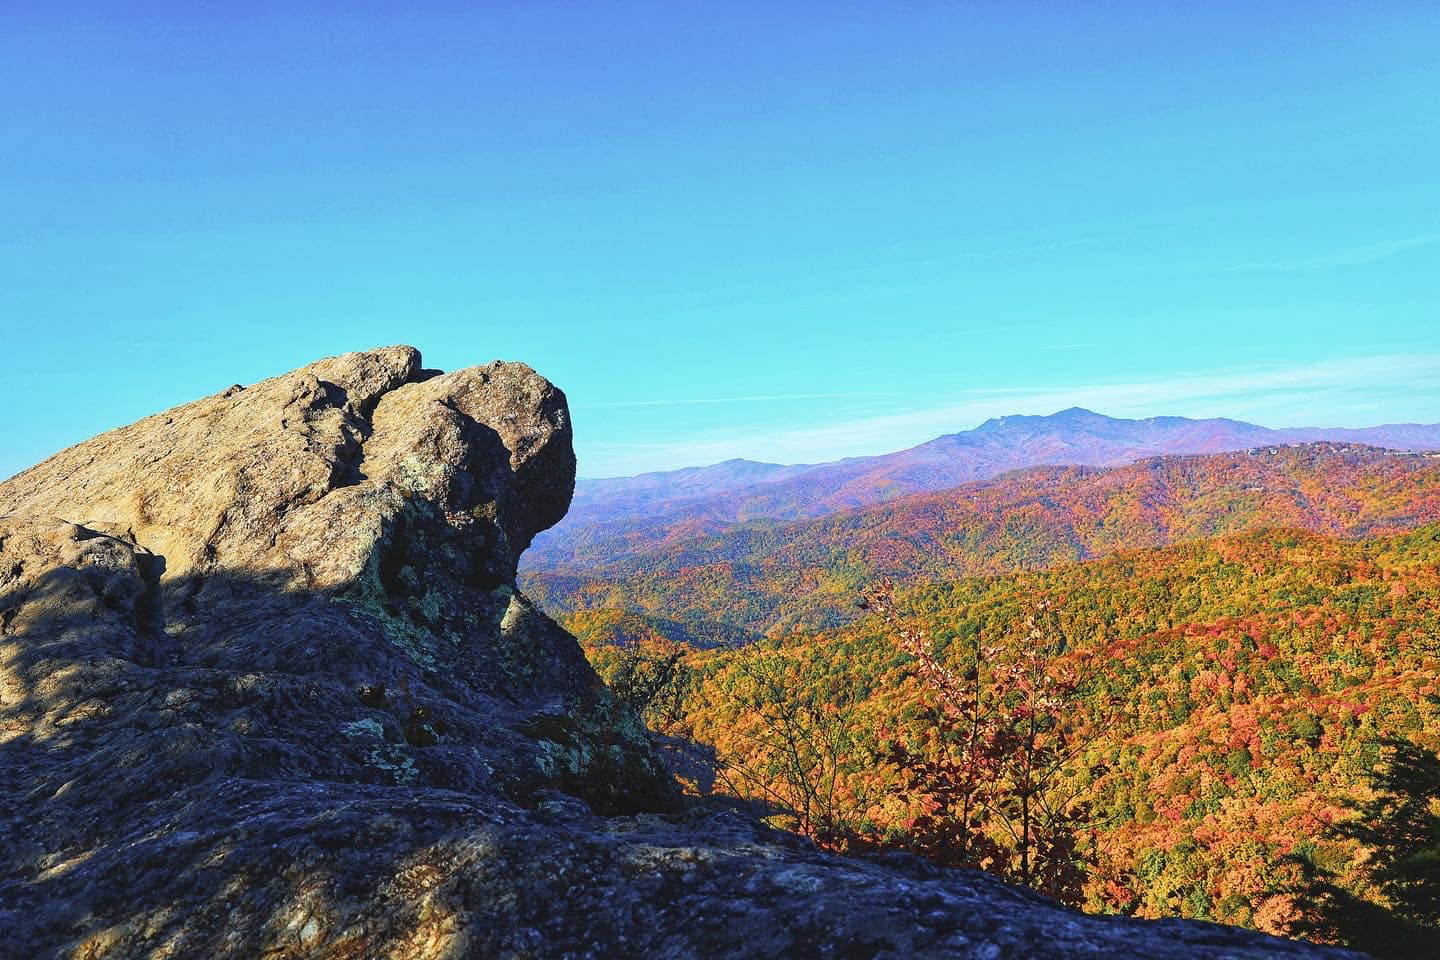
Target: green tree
<point>1398,830</point>
<point>651,680</point>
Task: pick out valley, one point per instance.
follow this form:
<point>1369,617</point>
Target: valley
<point>1225,646</point>
<point>768,577</point>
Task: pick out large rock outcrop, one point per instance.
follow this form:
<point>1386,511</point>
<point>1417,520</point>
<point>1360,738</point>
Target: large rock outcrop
<point>267,689</point>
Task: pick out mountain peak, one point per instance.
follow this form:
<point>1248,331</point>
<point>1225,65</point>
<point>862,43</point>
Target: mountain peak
<point>1068,415</point>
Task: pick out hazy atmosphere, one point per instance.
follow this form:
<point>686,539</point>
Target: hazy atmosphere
<point>786,232</point>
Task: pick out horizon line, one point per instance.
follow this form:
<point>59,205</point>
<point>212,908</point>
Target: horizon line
<point>1009,416</point>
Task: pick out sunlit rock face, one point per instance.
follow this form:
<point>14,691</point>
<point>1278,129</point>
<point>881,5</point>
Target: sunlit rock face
<point>267,688</point>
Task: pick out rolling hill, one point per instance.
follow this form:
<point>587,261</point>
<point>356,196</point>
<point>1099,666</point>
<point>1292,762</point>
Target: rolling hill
<point>610,518</point>
<point>768,576</point>
<point>1235,694</point>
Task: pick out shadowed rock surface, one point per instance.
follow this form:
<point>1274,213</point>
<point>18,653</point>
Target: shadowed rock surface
<point>267,688</point>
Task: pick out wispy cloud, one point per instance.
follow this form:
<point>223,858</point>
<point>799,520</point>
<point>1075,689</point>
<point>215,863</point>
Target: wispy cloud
<point>762,398</point>
<point>1355,257</point>
<point>1279,396</point>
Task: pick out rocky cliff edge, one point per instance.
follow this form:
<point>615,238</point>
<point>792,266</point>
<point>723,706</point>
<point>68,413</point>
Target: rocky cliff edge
<point>267,689</point>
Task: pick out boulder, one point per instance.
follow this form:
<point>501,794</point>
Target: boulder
<point>267,688</point>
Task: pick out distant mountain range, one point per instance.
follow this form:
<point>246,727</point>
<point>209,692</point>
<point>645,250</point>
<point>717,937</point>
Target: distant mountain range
<point>770,576</point>
<point>612,517</point>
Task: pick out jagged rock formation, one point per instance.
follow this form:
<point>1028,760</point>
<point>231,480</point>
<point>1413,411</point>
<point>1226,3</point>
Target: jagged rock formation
<point>267,688</point>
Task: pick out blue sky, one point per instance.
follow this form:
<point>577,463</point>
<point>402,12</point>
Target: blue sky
<point>783,231</point>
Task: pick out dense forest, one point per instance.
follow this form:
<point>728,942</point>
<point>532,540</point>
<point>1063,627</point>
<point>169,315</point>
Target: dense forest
<point>1194,730</point>
<point>774,578</point>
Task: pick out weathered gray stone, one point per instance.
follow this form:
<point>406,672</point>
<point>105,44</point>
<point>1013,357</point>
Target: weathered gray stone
<point>267,688</point>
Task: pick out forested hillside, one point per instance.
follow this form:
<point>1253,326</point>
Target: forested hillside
<point>620,515</point>
<point>767,577</point>
<point>1201,715</point>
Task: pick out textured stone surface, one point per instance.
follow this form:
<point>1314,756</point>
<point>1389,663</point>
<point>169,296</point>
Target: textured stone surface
<point>267,688</point>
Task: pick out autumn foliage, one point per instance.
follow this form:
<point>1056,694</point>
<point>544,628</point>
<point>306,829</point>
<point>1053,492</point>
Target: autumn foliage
<point>1163,732</point>
<point>773,578</point>
<point>988,777</point>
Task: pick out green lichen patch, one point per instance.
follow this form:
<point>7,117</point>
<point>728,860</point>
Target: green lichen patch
<point>391,758</point>
<point>598,752</point>
<point>365,728</point>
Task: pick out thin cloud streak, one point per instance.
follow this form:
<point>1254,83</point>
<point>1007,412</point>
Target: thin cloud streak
<point>1240,394</point>
<point>763,398</point>
<point>1351,258</point>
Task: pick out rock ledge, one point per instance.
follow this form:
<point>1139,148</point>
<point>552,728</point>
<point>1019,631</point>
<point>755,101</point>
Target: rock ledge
<point>267,688</point>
